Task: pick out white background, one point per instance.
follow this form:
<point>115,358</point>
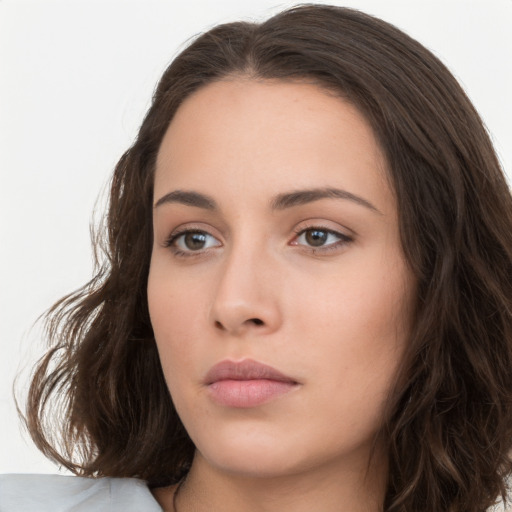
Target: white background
<point>75,80</point>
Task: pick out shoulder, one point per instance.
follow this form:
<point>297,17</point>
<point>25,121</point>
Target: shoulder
<point>56,493</point>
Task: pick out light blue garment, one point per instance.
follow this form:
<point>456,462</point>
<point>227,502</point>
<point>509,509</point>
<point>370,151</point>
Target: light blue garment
<point>57,493</point>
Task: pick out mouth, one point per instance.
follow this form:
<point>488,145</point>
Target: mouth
<point>246,383</point>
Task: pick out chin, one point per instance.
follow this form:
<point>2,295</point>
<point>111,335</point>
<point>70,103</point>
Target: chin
<point>252,463</point>
<point>250,453</point>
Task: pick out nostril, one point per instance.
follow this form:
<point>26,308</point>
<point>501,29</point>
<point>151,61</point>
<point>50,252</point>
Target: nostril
<point>249,321</point>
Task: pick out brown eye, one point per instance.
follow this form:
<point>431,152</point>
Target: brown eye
<point>321,238</point>
<point>316,237</point>
<point>192,241</point>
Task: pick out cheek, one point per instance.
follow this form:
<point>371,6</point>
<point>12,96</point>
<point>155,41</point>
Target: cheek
<point>362,332</point>
<point>367,307</point>
<point>360,320</point>
<point>173,309</point>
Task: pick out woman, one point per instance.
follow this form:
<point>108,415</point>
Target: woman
<point>307,298</point>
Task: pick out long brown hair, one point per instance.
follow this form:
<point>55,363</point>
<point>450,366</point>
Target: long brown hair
<point>449,421</point>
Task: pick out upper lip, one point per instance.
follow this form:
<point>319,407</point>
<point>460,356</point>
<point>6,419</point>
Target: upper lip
<point>244,370</point>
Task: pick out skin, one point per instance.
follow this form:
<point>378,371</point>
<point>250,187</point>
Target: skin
<point>318,290</point>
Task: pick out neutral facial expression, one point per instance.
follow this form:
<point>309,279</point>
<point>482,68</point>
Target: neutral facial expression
<point>276,244</point>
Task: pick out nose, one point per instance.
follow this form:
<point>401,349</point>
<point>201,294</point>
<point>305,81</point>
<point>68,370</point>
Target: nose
<point>246,298</point>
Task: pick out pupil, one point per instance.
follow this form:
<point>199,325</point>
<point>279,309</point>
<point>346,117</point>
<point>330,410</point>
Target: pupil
<point>316,238</point>
<point>195,241</point>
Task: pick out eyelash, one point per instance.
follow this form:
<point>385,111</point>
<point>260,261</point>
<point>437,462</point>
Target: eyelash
<point>171,241</point>
<point>343,240</point>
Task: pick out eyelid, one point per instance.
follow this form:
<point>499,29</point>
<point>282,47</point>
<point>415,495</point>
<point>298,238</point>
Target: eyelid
<point>343,239</point>
<point>185,229</point>
<point>177,236</point>
<point>311,225</point>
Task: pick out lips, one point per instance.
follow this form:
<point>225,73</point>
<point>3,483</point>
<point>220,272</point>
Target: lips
<point>246,383</point>
<point>244,370</point>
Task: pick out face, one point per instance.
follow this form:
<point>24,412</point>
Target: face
<point>278,292</point>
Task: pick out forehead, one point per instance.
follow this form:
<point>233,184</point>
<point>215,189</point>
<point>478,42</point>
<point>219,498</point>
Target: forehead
<point>249,135</point>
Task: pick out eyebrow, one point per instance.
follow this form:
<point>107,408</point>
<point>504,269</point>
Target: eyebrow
<point>188,198</point>
<point>280,202</point>
<point>300,197</point>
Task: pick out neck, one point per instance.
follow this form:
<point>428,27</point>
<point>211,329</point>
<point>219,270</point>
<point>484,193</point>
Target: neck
<point>332,488</point>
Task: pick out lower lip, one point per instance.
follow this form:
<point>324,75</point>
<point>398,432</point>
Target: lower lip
<point>248,393</point>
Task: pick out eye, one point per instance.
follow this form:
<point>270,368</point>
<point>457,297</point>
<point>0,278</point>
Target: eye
<point>321,238</point>
<point>191,241</point>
